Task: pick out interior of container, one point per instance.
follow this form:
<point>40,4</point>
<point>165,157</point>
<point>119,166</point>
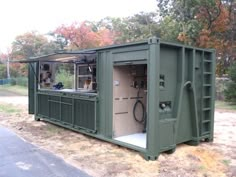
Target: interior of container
<point>68,77</point>
<point>130,104</point>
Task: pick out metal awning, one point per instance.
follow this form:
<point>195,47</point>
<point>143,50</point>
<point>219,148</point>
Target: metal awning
<point>65,57</point>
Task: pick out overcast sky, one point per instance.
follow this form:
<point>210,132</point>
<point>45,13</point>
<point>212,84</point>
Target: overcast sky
<point>20,16</point>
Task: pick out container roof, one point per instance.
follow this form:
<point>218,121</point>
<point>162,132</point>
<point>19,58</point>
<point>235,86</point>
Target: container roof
<point>89,55</point>
<point>74,56</point>
<point>66,57</point>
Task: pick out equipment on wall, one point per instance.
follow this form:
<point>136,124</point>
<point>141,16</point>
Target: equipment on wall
<point>142,119</point>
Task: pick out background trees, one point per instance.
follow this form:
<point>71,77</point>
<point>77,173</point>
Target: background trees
<point>84,35</point>
<point>207,24</point>
<point>230,92</point>
<point>134,28</point>
<point>30,44</point>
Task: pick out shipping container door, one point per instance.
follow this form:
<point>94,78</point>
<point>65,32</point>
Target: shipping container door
<point>31,85</point>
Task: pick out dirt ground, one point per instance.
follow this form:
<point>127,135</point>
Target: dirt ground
<point>102,159</point>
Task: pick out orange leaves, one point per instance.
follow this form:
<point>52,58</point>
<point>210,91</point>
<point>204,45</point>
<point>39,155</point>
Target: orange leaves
<point>204,38</point>
<point>183,37</point>
<point>106,37</point>
<point>222,21</point>
<point>81,36</point>
<point>207,40</point>
<point>213,16</point>
<point>217,32</point>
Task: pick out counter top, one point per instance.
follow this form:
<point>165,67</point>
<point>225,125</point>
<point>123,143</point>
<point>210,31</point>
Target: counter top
<point>72,91</point>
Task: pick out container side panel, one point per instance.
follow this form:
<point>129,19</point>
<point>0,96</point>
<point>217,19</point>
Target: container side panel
<point>167,131</point>
<point>185,120</point>
<point>66,110</point>
<point>43,105</point>
<point>168,80</point>
<point>105,94</point>
<point>187,114</point>
<point>85,114</point>
<point>54,104</point>
<point>129,56</point>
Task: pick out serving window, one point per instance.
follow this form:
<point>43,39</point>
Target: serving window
<point>86,78</point>
<point>76,74</point>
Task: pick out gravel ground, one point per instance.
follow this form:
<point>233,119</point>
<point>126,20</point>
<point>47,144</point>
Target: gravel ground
<point>14,100</point>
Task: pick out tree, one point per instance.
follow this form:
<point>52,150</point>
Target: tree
<point>84,35</point>
<point>3,71</point>
<point>14,69</point>
<point>31,44</point>
<point>220,34</point>
<point>27,45</point>
<point>205,24</point>
<point>230,92</point>
<point>169,29</point>
<point>135,28</point>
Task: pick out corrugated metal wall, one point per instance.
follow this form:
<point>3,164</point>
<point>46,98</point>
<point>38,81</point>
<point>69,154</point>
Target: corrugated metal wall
<point>74,112</point>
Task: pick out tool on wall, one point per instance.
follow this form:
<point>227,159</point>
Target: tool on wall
<point>142,119</point>
<point>140,83</point>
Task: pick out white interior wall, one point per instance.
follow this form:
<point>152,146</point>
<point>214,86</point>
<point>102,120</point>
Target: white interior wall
<point>124,98</point>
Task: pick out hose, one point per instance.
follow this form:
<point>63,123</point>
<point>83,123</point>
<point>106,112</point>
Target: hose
<point>143,118</point>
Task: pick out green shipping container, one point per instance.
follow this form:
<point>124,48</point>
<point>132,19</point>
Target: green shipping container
<point>148,96</point>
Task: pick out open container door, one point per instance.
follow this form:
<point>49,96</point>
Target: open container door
<point>31,87</point>
<point>130,103</point>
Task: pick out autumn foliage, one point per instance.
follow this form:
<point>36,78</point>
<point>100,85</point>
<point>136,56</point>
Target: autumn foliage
<point>201,23</point>
<point>206,24</point>
<point>82,36</point>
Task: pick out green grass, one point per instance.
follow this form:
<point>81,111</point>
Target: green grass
<point>8,108</point>
<point>16,89</point>
<point>52,129</point>
<point>226,162</point>
<point>225,105</point>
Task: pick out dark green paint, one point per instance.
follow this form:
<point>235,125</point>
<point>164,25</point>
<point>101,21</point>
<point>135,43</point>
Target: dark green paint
<point>188,74</point>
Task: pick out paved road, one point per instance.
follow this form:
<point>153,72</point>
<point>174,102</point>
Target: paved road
<point>19,158</point>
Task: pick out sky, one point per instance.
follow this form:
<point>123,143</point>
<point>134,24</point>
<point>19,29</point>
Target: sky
<point>20,16</point>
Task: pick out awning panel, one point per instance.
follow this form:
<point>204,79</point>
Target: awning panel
<point>67,57</point>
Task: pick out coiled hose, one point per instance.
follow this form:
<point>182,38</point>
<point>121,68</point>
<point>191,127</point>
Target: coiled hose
<point>142,120</point>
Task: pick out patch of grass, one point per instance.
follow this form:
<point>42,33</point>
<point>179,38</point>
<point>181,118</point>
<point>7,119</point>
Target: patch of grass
<point>202,168</point>
<point>8,108</point>
<point>20,90</point>
<point>226,162</point>
<point>52,129</point>
<point>225,105</point>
